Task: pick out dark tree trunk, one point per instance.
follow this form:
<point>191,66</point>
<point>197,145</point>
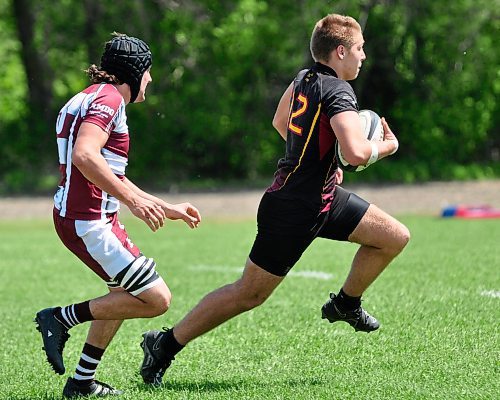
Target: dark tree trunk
<point>93,16</point>
<point>38,72</point>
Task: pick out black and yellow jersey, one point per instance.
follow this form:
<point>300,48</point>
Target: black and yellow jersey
<point>307,172</point>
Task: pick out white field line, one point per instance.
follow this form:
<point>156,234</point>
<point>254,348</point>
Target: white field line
<point>491,293</point>
<point>302,274</point>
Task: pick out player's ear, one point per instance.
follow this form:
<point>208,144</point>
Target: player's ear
<point>340,51</point>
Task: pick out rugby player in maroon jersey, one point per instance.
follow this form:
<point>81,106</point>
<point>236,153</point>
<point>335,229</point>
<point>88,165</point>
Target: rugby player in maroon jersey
<point>93,145</point>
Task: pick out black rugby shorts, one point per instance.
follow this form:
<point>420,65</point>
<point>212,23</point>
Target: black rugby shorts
<point>286,228</point>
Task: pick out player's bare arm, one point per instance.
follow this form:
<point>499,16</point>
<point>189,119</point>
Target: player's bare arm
<point>185,211</point>
<point>280,120</point>
<point>88,159</point>
<point>355,148</point>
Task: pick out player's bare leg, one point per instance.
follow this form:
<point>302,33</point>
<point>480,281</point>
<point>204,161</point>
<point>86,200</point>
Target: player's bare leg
<point>83,382</point>
<point>119,304</point>
<point>116,305</point>
<point>101,332</point>
<point>248,292</point>
<point>382,238</point>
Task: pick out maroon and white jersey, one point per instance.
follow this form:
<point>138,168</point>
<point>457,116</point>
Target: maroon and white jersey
<point>102,105</point>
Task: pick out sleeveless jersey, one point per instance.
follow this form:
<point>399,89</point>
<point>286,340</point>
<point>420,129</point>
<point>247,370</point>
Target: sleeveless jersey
<point>102,105</point>
<point>307,172</point>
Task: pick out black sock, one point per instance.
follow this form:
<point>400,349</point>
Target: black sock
<point>347,302</point>
<point>74,314</point>
<point>89,361</point>
<point>171,344</point>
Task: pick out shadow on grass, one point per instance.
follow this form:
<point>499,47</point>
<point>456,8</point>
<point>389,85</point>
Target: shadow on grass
<point>38,397</point>
<point>214,386</point>
<point>196,386</point>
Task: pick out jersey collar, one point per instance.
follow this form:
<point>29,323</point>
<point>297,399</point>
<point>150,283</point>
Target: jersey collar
<point>325,69</point>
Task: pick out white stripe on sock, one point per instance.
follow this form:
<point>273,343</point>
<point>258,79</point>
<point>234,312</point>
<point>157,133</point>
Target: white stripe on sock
<point>66,317</point>
<point>89,359</point>
<point>79,377</point>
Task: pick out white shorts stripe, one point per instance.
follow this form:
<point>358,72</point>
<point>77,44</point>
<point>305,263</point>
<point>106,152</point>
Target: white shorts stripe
<point>133,269</point>
<point>103,245</point>
<point>148,286</point>
<point>140,275</point>
<point>148,275</point>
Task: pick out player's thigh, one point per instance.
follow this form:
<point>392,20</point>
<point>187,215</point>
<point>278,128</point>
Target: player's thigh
<point>283,234</point>
<point>346,212</point>
<point>105,247</point>
<point>379,229</point>
<point>159,293</point>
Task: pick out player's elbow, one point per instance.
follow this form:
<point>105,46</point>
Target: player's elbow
<point>81,157</point>
<point>355,157</point>
<point>357,154</point>
<point>276,123</point>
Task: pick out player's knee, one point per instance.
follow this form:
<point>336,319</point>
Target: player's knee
<point>160,303</point>
<point>401,238</point>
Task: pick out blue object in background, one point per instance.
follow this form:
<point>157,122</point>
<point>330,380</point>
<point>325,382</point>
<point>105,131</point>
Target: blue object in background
<point>449,211</point>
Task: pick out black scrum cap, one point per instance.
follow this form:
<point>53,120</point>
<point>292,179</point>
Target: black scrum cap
<point>127,58</point>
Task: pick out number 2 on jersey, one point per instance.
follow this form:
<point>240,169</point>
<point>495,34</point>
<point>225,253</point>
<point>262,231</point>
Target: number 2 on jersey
<point>301,110</point>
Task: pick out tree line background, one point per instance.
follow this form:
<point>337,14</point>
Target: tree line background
<point>219,69</point>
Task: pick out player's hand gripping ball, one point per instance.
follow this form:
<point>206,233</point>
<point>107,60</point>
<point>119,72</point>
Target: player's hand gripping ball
<point>372,129</point>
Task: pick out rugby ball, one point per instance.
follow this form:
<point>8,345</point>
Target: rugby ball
<point>372,129</point>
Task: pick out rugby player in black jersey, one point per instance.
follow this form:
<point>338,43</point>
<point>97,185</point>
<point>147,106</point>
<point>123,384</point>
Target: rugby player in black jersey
<point>305,200</point>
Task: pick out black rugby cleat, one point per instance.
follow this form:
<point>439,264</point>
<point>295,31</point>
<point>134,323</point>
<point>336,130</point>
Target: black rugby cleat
<point>155,361</point>
<point>54,336</point>
<point>94,389</point>
<point>358,318</point>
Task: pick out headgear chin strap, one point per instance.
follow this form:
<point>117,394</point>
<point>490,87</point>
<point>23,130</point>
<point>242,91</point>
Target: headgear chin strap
<point>127,58</point>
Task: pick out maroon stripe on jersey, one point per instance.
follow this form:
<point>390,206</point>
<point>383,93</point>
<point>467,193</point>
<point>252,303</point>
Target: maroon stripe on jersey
<point>326,136</point>
<point>68,121</point>
<point>91,88</point>
<point>104,107</point>
<point>62,170</point>
<point>84,198</point>
<point>66,231</point>
<point>118,144</point>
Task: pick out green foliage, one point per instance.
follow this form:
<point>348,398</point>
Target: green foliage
<point>220,67</point>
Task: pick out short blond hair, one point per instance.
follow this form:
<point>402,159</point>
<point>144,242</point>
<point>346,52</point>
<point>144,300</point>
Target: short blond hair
<point>330,32</point>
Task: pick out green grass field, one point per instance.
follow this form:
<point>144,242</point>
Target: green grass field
<point>438,304</point>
